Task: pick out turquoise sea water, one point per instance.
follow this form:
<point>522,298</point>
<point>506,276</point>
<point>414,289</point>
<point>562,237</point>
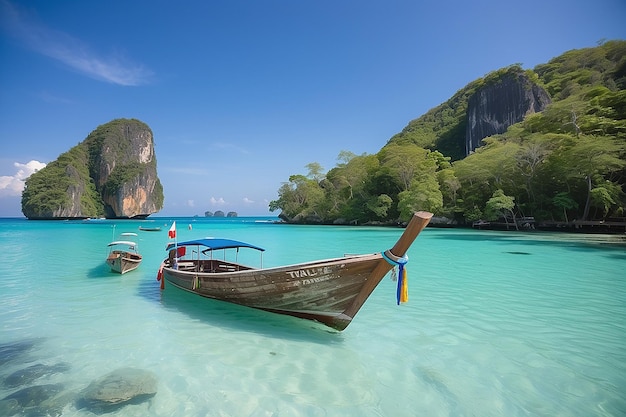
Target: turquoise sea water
<point>497,324</point>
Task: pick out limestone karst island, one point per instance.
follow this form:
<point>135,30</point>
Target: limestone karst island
<point>112,174</point>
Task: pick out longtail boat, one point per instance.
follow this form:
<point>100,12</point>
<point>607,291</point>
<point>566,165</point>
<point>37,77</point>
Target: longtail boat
<point>123,255</point>
<point>329,291</point>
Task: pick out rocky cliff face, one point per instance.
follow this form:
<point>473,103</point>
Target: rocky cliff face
<point>124,169</point>
<point>495,107</point>
<point>112,173</point>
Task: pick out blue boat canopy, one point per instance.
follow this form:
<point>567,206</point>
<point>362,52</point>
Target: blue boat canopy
<point>214,244</point>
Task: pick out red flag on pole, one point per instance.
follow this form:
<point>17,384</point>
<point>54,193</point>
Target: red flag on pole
<point>172,232</point>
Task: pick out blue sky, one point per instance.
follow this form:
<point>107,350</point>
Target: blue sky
<point>242,94</point>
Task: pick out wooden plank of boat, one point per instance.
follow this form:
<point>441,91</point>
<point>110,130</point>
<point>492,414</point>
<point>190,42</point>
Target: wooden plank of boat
<point>329,291</point>
<point>149,229</point>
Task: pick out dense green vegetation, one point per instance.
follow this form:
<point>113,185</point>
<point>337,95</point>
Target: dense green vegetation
<point>568,162</point>
<point>47,190</point>
<point>80,171</point>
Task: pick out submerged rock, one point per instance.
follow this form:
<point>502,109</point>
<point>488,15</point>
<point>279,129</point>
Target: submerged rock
<point>117,389</point>
<point>34,372</point>
<point>39,400</point>
<point>13,350</point>
<point>35,395</point>
<point>9,407</point>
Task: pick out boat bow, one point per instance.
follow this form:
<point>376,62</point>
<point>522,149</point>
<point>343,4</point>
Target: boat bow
<point>417,223</point>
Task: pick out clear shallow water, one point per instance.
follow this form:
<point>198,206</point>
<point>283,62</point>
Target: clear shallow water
<point>497,324</point>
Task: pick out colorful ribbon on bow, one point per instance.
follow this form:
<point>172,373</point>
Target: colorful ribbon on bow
<point>402,293</point>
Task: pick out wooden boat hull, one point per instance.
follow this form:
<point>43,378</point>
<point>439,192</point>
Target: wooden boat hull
<point>328,291</point>
<point>320,291</point>
<point>123,262</point>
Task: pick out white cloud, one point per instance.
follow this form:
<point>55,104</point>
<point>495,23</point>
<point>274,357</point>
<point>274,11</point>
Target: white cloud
<point>191,203</point>
<point>13,185</point>
<point>71,51</point>
<point>246,200</point>
<point>217,201</point>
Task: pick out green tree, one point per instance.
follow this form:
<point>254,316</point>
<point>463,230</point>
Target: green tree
<point>563,201</point>
<point>530,159</point>
<point>380,205</point>
<point>422,195</point>
<point>347,185</point>
<point>316,171</point>
<point>449,185</point>
<point>405,162</point>
<point>501,204</point>
<point>345,157</point>
<point>606,195</point>
<point>473,214</point>
<point>490,168</point>
<point>299,199</point>
<point>592,158</point>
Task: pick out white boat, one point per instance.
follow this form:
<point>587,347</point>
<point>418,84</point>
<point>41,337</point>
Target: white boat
<point>123,255</point>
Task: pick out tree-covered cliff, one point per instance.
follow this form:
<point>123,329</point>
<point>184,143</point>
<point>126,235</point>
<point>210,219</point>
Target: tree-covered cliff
<point>548,143</point>
<point>112,173</point>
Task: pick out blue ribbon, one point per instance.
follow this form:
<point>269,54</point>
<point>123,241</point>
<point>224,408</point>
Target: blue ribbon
<point>400,262</point>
